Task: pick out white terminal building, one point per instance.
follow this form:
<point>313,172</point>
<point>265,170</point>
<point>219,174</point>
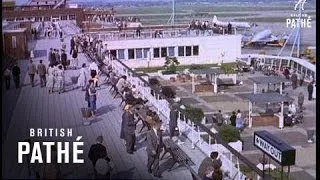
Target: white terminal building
<point>189,48</point>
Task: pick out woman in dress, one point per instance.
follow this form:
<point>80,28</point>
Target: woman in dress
<point>51,80</point>
<point>92,97</point>
<point>60,78</point>
<point>82,77</point>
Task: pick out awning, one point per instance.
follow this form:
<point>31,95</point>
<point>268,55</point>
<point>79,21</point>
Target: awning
<point>206,71</point>
<point>268,79</point>
<point>268,98</point>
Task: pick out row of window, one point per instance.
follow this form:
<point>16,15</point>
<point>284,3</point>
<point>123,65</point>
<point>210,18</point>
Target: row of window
<point>142,53</point>
<point>46,18</point>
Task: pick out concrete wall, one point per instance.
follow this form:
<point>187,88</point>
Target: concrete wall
<point>210,49</point>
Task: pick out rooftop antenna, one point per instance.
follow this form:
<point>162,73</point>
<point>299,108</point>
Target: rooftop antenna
<point>296,32</point>
<point>171,19</point>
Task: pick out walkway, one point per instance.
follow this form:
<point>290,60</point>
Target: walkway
<point>35,108</point>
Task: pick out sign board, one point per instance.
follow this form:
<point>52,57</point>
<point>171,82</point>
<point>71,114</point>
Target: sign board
<point>275,148</point>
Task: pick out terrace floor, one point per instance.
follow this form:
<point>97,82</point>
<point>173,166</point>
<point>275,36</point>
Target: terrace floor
<point>32,107</point>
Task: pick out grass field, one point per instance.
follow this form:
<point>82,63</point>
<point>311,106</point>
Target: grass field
<point>182,8</point>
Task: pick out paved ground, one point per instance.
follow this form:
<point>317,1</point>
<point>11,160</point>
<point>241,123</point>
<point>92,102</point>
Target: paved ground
<point>35,108</point>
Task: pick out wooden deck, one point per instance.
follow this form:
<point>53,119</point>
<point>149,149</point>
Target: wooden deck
<point>35,108</point>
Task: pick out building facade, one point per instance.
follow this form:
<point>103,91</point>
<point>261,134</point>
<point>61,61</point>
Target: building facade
<point>188,50</point>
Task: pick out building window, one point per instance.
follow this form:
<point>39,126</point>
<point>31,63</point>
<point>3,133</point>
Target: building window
<point>72,17</point>
<point>14,42</point>
<point>195,50</point>
<point>113,53</point>
<point>130,53</point>
<point>163,52</point>
<point>181,51</point>
<point>121,54</point>
<point>139,53</point>
<point>171,51</point>
<point>47,18</point>
<point>156,52</point>
<point>145,53</point>
<point>38,19</point>
<point>188,50</point>
<point>10,19</point>
<point>64,18</point>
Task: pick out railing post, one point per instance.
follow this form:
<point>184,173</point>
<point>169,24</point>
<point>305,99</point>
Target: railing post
<point>192,135</point>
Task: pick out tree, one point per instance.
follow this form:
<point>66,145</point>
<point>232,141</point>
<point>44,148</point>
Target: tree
<point>229,133</point>
<point>168,92</point>
<point>171,64</point>
<point>193,113</point>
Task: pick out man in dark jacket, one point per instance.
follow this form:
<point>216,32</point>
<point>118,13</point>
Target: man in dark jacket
<point>129,130</point>
<point>16,75</point>
<point>233,118</point>
<point>64,59</point>
<point>97,151</point>
<point>173,119</point>
<point>310,91</point>
<point>154,146</point>
<point>208,163</point>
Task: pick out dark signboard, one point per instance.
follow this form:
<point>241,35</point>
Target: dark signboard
<point>274,147</point>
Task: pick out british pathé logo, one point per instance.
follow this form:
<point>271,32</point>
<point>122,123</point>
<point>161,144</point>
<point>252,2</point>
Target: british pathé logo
<point>299,19</point>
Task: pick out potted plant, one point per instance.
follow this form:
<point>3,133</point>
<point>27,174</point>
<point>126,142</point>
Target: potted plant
<point>195,114</point>
<point>227,68</point>
<point>170,65</point>
<point>229,133</point>
<point>168,92</point>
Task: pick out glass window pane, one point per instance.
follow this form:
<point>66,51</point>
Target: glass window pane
<point>156,52</point>
<point>130,53</point>
<point>188,51</point>
<point>121,54</point>
<point>171,51</point>
<point>195,50</point>
<point>145,52</point>
<point>164,52</point>
<point>139,53</point>
<point>181,51</point>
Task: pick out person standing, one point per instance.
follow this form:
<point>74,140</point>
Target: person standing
<point>32,71</point>
<point>301,79</point>
<point>310,91</point>
<point>51,79</point>
<point>219,118</point>
<point>300,100</point>
<point>41,69</point>
<point>233,118</point>
<point>129,130</point>
<point>92,97</point>
<point>72,45</point>
<point>64,59</point>
<point>57,54</point>
<point>60,79</point>
<point>16,75</point>
<point>314,91</point>
<point>173,120</point>
<point>82,77</point>
<point>50,59</point>
<point>98,151</point>
<point>124,121</point>
<point>7,77</point>
<point>75,58</point>
<point>294,79</point>
<point>154,146</point>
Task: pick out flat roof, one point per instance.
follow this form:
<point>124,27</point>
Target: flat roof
<point>268,79</point>
<point>207,71</point>
<point>14,30</point>
<point>268,98</point>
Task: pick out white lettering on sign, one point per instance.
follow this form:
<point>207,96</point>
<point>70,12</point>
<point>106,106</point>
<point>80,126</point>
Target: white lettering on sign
<point>268,148</point>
